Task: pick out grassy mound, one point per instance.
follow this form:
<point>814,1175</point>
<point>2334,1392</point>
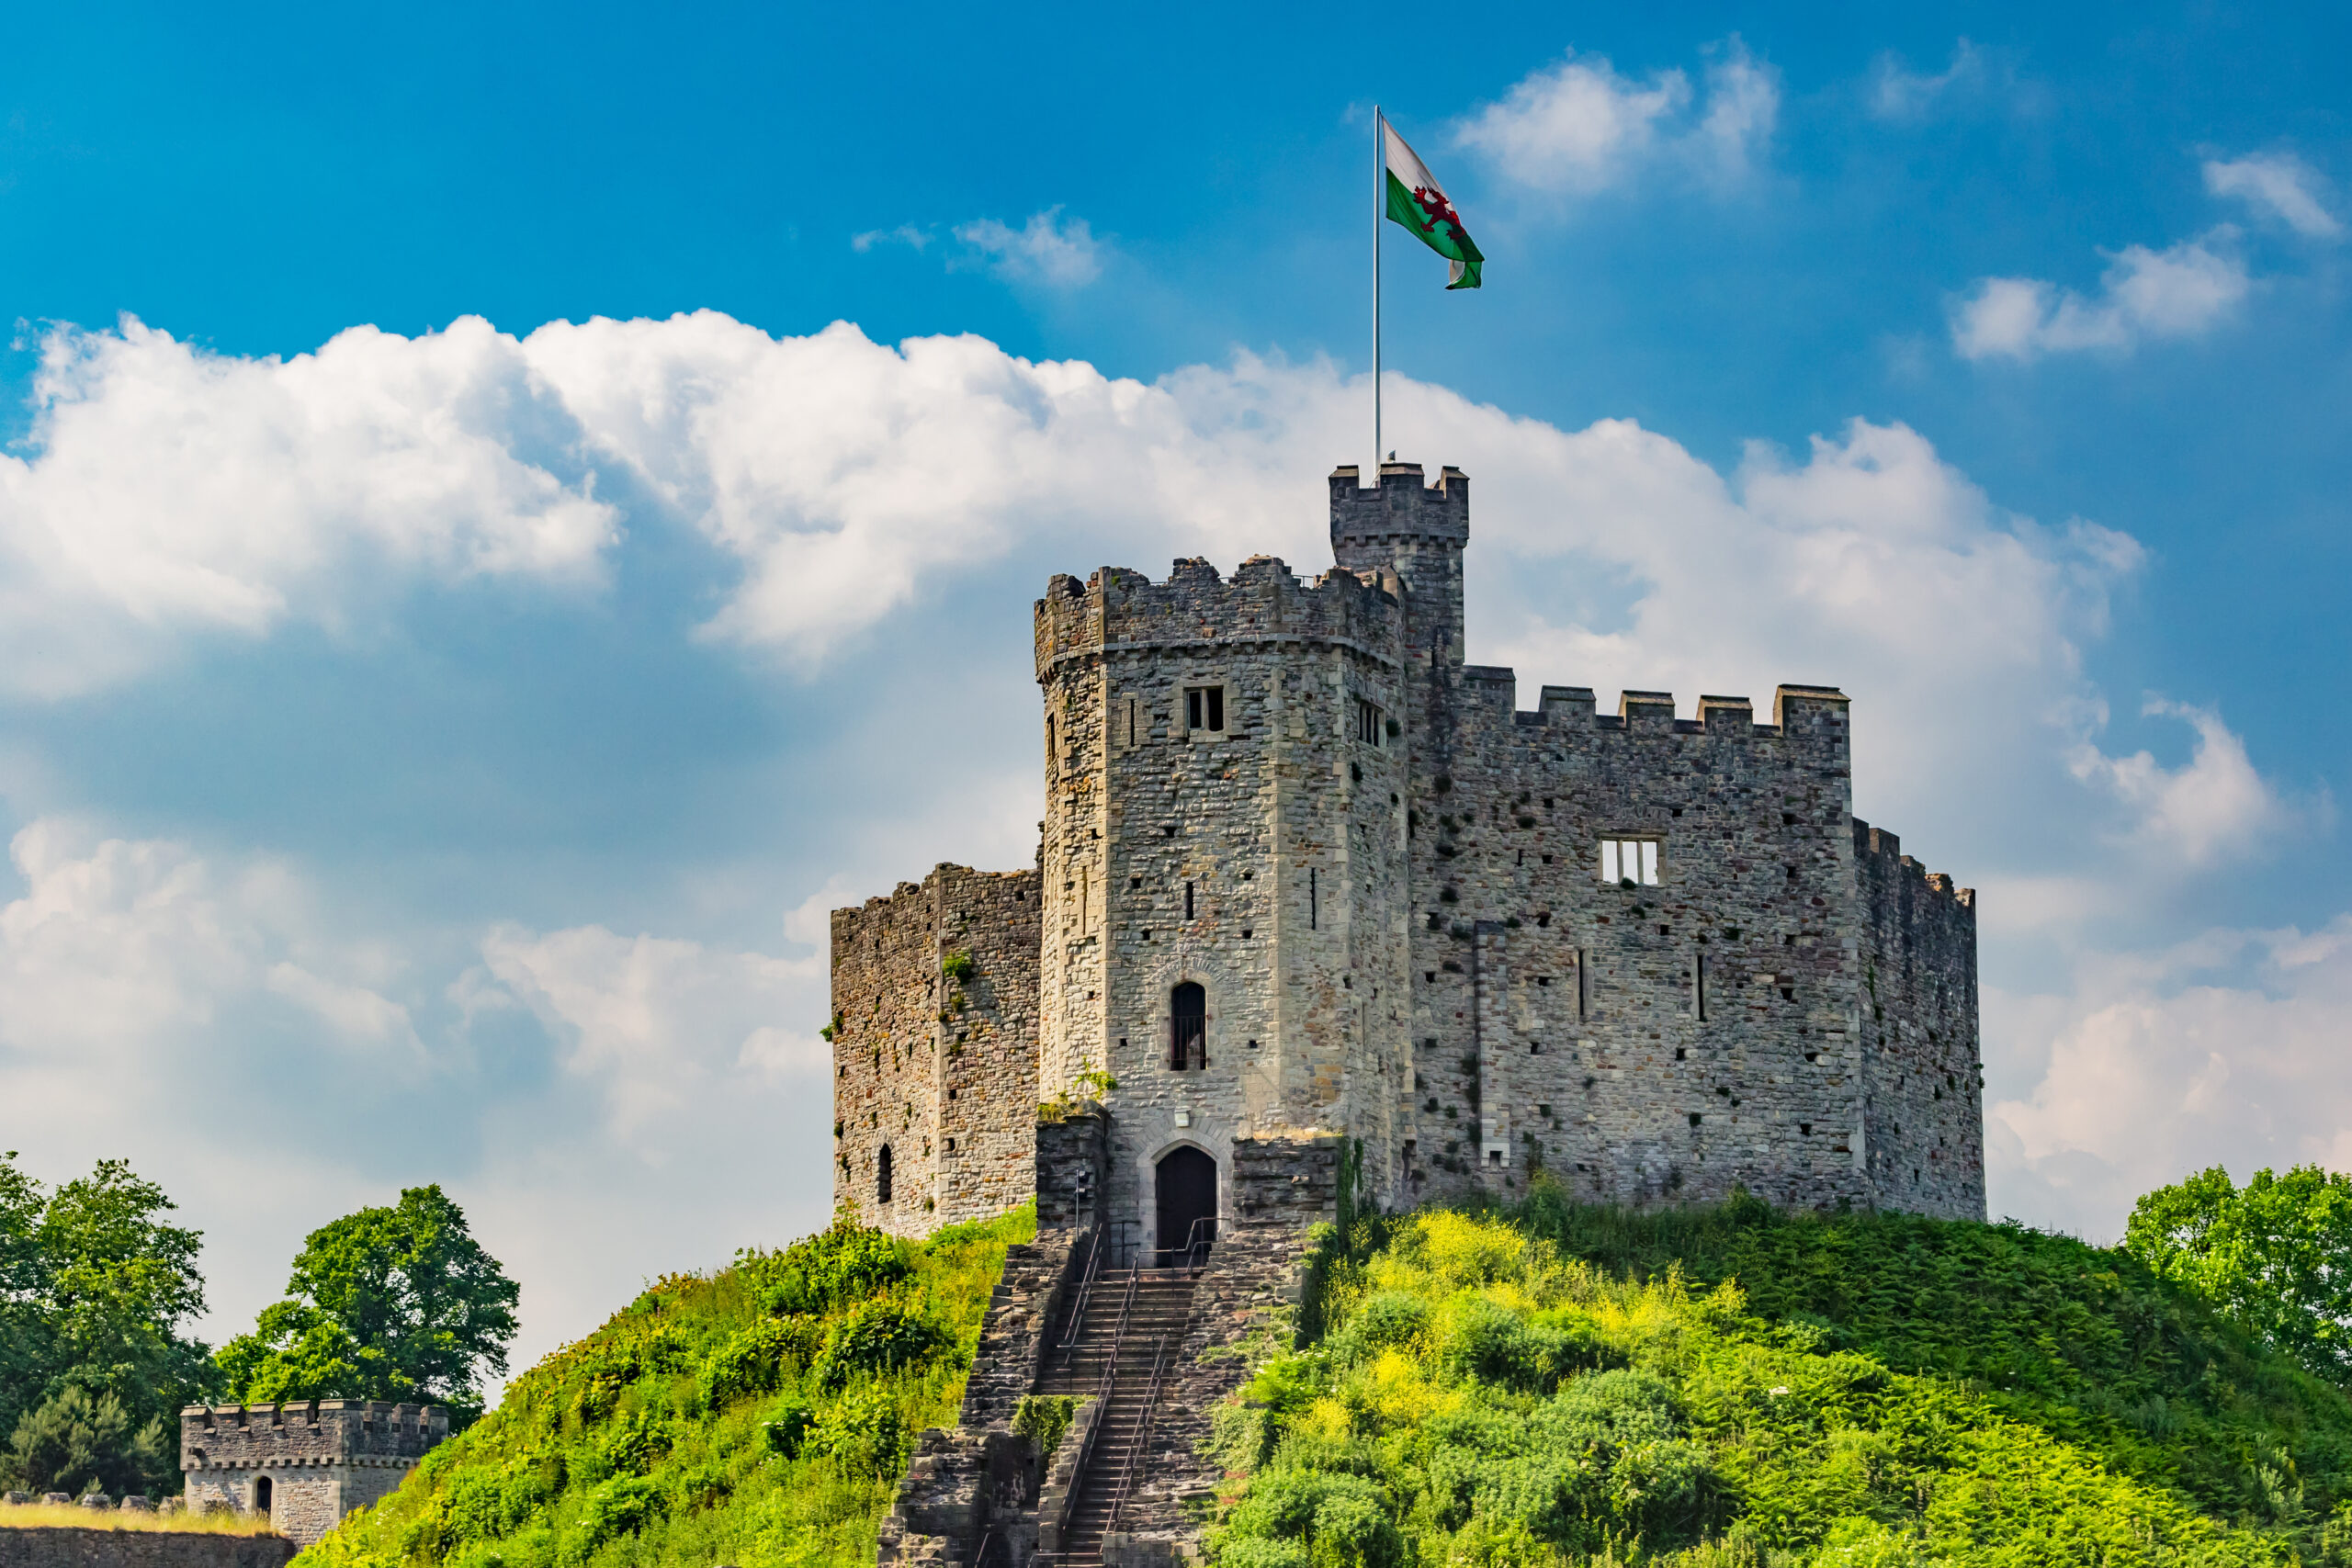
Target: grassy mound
<point>1731,1386</point>
<point>761,1416</point>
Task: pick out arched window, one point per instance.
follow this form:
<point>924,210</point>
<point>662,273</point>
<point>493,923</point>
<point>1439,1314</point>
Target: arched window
<point>261,1495</point>
<point>882,1176</point>
<point>1188,1031</point>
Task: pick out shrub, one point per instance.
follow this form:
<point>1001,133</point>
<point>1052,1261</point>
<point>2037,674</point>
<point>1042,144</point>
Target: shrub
<point>1043,1419</point>
<point>882,1335</point>
<point>865,1433</point>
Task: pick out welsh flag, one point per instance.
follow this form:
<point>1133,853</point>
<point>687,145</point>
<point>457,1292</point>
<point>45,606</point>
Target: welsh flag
<point>1416,201</point>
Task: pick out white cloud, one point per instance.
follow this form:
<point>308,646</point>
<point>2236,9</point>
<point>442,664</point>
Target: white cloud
<point>2226,1049</point>
<point>173,489</point>
<point>119,946</point>
<point>905,234</point>
<point>1579,127</point>
<point>1046,249</point>
<point>2276,185</point>
<point>2212,807</point>
<point>1897,93</point>
<point>2175,292</point>
<point>661,1024</point>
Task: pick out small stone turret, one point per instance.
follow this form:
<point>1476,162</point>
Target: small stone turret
<point>307,1464</point>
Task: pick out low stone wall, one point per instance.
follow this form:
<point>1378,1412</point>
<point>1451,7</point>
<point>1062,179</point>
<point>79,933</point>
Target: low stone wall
<point>981,1477</point>
<point>43,1547</point>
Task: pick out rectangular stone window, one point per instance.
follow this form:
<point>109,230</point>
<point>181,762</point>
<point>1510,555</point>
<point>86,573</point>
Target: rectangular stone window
<point>1629,861</point>
<point>1368,722</point>
<point>1204,709</point>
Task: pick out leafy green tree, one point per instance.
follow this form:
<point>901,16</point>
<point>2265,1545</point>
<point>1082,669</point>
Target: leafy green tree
<point>2276,1254</point>
<point>95,1284</point>
<point>78,1443</point>
<point>397,1302</point>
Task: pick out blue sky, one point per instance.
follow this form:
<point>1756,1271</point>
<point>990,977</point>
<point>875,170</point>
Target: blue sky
<point>431,733</point>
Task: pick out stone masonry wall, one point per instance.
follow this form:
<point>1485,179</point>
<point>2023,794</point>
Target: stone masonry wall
<point>939,1071</point>
<point>1656,1042</point>
<point>70,1547</point>
<point>1256,854</point>
<point>1924,1075</point>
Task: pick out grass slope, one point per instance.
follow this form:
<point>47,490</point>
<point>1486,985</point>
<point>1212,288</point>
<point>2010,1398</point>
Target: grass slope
<point>760,1415</point>
<point>1732,1386</point>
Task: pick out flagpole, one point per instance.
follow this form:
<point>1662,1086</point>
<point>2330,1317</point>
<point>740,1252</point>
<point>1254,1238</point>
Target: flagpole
<point>1379,203</point>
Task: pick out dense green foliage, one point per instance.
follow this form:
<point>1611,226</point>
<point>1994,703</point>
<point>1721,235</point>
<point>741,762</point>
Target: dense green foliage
<point>1735,1386</point>
<point>398,1303</point>
<point>760,1415</point>
<point>96,1284</point>
<point>2276,1257</point>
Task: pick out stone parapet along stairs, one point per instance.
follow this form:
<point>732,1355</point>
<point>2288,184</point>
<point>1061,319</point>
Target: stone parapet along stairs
<point>1131,1328</point>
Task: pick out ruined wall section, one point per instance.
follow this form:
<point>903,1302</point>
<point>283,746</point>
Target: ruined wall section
<point>1259,858</point>
<point>885,1059</point>
<point>1645,1043</point>
<point>987,1092</point>
<point>940,1071</point>
<point>1925,1107</point>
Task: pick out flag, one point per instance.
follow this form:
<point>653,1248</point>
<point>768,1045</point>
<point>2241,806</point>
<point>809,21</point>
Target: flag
<point>1416,201</point>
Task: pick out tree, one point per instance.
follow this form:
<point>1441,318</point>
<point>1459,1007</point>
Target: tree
<point>78,1443</point>
<point>2275,1256</point>
<point>94,1283</point>
<point>397,1302</point>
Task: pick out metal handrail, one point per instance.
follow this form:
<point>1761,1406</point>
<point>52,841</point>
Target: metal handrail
<point>1142,1439</point>
<point>1085,1293</point>
<point>980,1557</point>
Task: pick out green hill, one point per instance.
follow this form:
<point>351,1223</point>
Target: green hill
<point>1714,1388</point>
<point>761,1416</point>
<point>1732,1386</point>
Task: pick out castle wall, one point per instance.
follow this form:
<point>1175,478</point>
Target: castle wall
<point>1919,1025</point>
<point>1253,848</point>
<point>939,1070</point>
<point>1649,1043</point>
<point>323,1458</point>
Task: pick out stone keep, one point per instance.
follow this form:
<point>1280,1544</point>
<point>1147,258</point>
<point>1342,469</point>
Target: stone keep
<point>305,1464</point>
<point>1304,872</point>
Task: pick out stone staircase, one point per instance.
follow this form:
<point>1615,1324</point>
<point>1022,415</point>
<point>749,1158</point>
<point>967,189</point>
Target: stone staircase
<point>1130,1332</point>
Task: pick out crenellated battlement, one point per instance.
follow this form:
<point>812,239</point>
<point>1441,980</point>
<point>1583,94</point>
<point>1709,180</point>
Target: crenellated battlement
<point>1264,602</point>
<point>1806,713</point>
<point>314,1431</point>
<point>1399,507</point>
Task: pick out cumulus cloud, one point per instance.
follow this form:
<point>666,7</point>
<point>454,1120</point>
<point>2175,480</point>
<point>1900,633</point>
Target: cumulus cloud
<point>2172,293</point>
<point>2276,185</point>
<point>661,1024</point>
<point>2224,1049</point>
<point>1896,93</point>
<point>1047,249</point>
<point>1579,127</point>
<point>2213,806</point>
<point>173,489</point>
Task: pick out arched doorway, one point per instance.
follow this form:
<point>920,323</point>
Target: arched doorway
<point>882,1176</point>
<point>1186,1183</point>
<point>261,1495</point>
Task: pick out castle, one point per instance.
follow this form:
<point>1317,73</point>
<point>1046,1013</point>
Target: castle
<point>1304,873</point>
